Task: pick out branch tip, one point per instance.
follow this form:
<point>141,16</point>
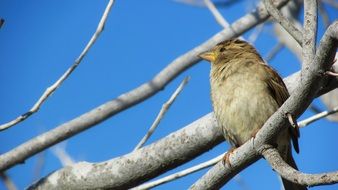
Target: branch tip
<point>331,73</point>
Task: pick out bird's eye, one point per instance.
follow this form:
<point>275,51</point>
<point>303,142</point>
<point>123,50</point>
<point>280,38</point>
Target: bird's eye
<point>222,49</point>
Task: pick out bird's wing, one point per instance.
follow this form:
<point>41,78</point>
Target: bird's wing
<point>280,94</point>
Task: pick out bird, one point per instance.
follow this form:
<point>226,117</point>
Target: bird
<point>245,92</point>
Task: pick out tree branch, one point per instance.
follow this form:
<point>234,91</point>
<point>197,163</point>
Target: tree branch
<point>316,117</point>
<point>218,16</point>
<point>49,91</point>
<point>7,181</point>
<point>140,165</point>
<point>289,173</point>
<point>180,174</point>
<point>310,32</point>
<point>273,52</point>
<point>164,109</point>
<point>287,25</point>
<point>332,3</point>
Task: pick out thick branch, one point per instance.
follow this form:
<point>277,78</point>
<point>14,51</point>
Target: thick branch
<point>124,101</point>
<point>289,173</point>
<point>310,31</point>
<point>140,165</point>
<point>290,11</point>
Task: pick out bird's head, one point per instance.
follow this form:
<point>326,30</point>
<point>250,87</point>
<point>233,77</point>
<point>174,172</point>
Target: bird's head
<point>229,50</point>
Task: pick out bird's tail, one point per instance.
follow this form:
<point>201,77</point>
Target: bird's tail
<point>288,185</point>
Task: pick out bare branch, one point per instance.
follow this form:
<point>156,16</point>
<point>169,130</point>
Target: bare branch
<point>285,38</point>
<point>316,117</point>
<point>332,3</point>
<point>332,73</point>
<point>180,174</point>
<point>38,166</point>
<point>289,173</point>
<point>314,108</point>
<point>330,99</point>
<point>273,52</point>
<point>164,109</point>
<point>254,35</point>
<point>287,25</point>
<point>124,101</point>
<point>200,3</point>
<point>7,181</point>
<point>49,91</point>
<point>310,32</point>
<point>143,164</point>
<point>323,14</point>
<point>60,152</point>
<point>218,16</point>
<point>290,11</point>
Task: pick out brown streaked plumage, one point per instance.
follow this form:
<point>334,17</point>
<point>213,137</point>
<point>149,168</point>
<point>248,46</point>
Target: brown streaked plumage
<point>245,92</point>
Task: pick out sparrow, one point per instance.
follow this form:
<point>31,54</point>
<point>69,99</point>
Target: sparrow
<point>245,92</point>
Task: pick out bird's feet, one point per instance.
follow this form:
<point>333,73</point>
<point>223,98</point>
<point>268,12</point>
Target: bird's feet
<point>226,157</point>
<point>254,132</point>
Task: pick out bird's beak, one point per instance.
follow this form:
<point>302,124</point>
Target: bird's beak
<point>208,55</point>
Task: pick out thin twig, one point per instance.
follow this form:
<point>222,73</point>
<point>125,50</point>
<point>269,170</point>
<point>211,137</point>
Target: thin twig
<point>191,2</point>
<point>332,73</point>
<point>290,12</point>
<point>164,109</point>
<point>39,165</point>
<point>60,152</point>
<point>315,109</point>
<point>273,52</point>
<point>180,174</point>
<point>255,33</point>
<point>323,14</point>
<point>316,117</point>
<point>287,25</point>
<point>218,16</point>
<point>240,181</point>
<point>49,91</point>
<point>332,3</point>
<point>7,181</point>
<point>199,3</point>
<point>287,172</point>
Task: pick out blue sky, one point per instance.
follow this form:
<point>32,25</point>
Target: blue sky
<point>41,39</point>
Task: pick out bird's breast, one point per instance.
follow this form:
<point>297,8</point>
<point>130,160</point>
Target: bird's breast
<point>242,103</point>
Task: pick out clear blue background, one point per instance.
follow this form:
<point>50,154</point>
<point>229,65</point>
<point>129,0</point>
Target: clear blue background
<point>41,39</point>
